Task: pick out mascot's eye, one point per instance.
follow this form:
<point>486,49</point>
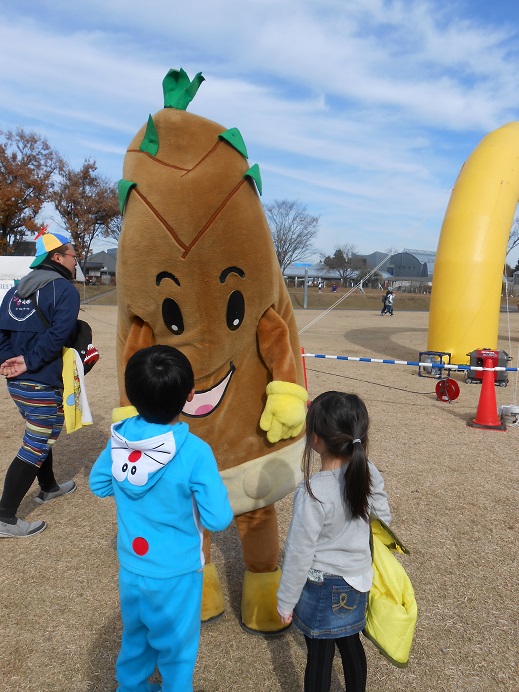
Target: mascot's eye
<point>125,468</point>
<point>235,310</point>
<point>172,316</point>
<point>133,470</point>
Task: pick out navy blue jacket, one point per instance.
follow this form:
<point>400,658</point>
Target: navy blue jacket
<point>22,333</point>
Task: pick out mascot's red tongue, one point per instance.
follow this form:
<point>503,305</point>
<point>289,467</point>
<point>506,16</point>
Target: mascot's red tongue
<point>205,402</point>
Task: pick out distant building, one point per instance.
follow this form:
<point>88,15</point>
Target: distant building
<point>101,266</point>
<point>24,248</point>
<point>408,264</point>
<point>400,269</point>
<point>316,272</point>
<point>403,265</point>
<point>427,257</point>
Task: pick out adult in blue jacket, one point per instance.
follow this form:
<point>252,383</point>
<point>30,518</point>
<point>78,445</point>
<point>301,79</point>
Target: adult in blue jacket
<point>37,319</point>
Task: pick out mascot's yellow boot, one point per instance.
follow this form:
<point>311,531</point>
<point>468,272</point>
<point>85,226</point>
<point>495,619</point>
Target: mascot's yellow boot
<point>212,596</point>
<point>259,613</point>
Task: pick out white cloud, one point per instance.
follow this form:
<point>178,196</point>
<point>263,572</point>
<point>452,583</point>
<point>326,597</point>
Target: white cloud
<point>365,110</point>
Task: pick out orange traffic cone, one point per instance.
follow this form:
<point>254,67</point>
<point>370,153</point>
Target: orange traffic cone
<point>486,415</point>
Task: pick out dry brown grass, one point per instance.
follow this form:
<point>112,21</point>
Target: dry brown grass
<point>452,489</point>
<point>369,299</point>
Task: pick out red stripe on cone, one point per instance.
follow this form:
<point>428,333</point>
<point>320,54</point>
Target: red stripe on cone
<point>486,415</point>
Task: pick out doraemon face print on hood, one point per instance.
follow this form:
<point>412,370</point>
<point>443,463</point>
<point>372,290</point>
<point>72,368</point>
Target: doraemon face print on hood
<point>136,465</point>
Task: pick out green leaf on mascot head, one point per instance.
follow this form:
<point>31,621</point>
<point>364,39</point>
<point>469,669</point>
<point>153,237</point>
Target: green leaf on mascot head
<point>123,190</point>
<point>150,141</point>
<point>179,90</point>
<point>254,173</point>
<point>234,138</point>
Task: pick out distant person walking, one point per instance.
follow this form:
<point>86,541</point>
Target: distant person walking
<point>384,302</point>
<point>389,303</point>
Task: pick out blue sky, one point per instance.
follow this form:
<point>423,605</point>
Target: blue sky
<point>365,110</point>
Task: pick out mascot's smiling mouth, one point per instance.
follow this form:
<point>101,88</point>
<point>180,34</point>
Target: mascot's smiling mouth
<point>204,403</point>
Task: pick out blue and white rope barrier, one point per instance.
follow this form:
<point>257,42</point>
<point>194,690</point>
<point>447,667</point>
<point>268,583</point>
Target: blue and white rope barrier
<point>415,364</point>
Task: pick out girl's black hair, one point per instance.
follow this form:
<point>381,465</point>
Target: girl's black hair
<point>158,380</point>
<point>338,419</point>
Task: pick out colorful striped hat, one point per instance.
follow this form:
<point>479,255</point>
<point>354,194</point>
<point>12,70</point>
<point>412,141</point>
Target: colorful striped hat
<point>45,243</point>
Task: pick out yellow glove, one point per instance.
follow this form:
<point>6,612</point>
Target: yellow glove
<point>123,412</point>
<point>285,411</point>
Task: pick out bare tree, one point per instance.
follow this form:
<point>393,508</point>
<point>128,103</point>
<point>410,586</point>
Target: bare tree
<point>88,206</point>
<point>345,262</point>
<point>27,177</point>
<point>513,240</point>
<point>293,230</point>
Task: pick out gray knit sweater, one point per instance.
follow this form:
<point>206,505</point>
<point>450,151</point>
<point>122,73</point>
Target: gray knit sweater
<point>324,536</point>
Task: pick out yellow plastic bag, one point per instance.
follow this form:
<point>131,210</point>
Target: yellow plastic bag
<point>75,402</point>
<point>392,611</point>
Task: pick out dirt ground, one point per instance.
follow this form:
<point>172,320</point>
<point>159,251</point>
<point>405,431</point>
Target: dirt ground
<point>453,494</point>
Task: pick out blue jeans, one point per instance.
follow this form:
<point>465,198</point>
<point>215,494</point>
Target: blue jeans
<point>330,609</point>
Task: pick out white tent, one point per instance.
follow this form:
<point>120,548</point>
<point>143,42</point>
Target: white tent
<point>12,269</point>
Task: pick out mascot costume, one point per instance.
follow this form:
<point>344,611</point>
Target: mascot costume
<point>197,269</point>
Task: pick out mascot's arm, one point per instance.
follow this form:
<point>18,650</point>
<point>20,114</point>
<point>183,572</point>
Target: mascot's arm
<point>285,410</point>
<point>140,336</point>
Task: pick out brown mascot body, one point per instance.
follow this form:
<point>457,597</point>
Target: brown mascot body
<point>197,269</point>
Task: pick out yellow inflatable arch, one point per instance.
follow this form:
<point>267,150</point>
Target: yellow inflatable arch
<point>468,271</point>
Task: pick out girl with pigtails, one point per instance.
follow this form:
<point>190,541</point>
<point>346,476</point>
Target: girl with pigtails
<point>327,571</point>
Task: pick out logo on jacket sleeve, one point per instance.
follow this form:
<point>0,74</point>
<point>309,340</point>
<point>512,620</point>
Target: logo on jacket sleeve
<point>136,460</point>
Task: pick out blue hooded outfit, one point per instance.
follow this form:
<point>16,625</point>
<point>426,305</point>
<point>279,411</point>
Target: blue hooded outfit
<point>166,487</point>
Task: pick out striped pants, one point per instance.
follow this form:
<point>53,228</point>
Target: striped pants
<point>41,406</point>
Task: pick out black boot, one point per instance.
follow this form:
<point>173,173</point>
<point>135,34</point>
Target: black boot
<point>18,479</point>
<point>45,475</point>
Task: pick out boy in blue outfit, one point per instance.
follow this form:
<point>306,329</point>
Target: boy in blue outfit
<point>167,488</point>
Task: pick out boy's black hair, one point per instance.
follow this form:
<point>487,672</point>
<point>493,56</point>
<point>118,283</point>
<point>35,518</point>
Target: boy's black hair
<point>158,380</point>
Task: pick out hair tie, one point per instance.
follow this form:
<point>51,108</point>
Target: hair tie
<point>356,440</point>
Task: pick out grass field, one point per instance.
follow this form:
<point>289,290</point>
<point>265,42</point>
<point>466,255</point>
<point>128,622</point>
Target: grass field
<point>453,496</point>
<point>369,300</point>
